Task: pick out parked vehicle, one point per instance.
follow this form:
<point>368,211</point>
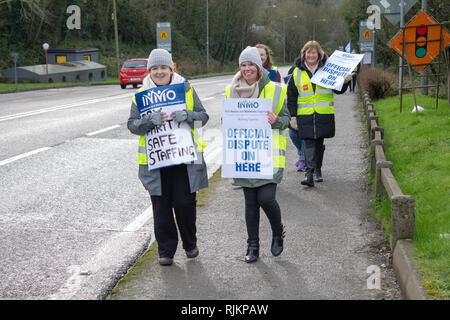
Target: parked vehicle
<point>133,72</point>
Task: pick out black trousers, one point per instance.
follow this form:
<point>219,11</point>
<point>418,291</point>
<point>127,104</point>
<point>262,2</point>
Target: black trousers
<point>314,150</point>
<point>176,197</point>
<point>264,197</point>
<point>353,84</point>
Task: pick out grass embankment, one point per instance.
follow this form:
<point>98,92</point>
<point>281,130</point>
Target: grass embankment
<point>419,146</point>
<point>7,87</point>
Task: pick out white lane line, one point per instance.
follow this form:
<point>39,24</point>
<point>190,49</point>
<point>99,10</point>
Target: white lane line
<point>206,99</point>
<point>227,81</point>
<point>61,107</point>
<point>110,253</point>
<point>93,133</point>
<point>140,220</point>
<point>213,160</point>
<point>23,155</point>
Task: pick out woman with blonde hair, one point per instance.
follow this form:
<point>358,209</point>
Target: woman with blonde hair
<point>252,81</point>
<point>313,105</point>
<point>266,57</point>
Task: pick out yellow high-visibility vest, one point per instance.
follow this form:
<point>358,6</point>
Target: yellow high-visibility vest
<point>308,101</point>
<point>277,93</point>
<point>199,142</point>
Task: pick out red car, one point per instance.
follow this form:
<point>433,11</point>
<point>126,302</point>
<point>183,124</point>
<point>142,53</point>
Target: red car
<point>133,72</point>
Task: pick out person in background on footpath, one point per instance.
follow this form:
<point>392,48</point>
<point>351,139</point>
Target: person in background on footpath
<point>293,131</point>
<point>266,57</point>
<point>354,74</point>
<point>313,106</point>
<point>171,188</point>
<point>252,81</point>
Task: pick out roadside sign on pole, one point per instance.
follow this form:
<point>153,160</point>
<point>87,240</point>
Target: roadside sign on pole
<point>422,41</point>
<point>163,36</point>
<point>390,9</point>
<point>366,37</point>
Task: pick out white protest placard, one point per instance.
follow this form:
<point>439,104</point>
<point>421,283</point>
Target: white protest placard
<point>247,139</point>
<point>338,65</point>
<point>171,143</point>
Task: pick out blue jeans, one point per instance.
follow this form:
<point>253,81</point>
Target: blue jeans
<point>298,143</point>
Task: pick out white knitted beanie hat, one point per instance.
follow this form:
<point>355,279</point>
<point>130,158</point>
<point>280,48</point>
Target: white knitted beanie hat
<point>159,57</point>
<point>251,54</point>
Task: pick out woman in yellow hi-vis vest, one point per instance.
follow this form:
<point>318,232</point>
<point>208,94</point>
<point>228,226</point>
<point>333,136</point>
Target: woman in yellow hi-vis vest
<point>173,188</point>
<point>313,105</point>
<point>252,81</point>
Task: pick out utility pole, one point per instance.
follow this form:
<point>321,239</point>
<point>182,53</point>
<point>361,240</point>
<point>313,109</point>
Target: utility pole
<point>424,72</point>
<point>374,46</point>
<point>116,35</point>
<point>284,36</point>
<point>207,38</point>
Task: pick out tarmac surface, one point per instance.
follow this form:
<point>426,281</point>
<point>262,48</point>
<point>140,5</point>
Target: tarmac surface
<point>333,248</point>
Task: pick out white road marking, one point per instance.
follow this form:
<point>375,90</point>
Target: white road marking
<point>140,220</point>
<point>227,81</point>
<point>102,130</point>
<point>106,255</point>
<point>65,106</point>
<point>23,155</point>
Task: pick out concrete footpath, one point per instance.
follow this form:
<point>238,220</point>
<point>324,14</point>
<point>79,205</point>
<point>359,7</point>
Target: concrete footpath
<point>333,248</point>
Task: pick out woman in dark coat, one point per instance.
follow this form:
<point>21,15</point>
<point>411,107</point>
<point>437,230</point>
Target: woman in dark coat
<point>313,106</point>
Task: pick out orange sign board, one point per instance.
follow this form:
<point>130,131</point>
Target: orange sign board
<point>422,43</point>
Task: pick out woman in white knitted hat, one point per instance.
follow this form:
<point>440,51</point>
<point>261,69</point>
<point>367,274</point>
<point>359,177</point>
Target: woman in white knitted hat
<point>252,81</point>
<point>173,188</point>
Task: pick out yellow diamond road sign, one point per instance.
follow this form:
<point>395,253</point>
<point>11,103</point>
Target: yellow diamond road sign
<point>163,35</point>
<point>367,34</point>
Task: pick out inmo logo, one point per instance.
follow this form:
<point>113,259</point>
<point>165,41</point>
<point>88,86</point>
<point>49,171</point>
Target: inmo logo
<point>156,96</point>
<point>248,104</point>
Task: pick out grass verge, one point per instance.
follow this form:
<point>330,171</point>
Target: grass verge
<point>419,146</point>
<point>10,87</point>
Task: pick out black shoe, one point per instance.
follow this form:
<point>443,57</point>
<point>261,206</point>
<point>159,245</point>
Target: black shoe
<point>192,253</point>
<point>277,243</point>
<point>164,261</point>
<point>318,175</point>
<point>309,181</point>
<point>252,251</point>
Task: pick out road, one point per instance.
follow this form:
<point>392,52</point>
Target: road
<point>71,205</point>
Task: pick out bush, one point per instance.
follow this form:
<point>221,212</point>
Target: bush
<point>376,82</point>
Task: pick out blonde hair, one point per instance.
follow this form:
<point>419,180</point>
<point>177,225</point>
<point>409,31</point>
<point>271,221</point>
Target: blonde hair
<point>312,44</point>
<point>268,53</point>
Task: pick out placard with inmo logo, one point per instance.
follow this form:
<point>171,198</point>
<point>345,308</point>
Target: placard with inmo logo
<point>247,139</point>
<point>171,143</point>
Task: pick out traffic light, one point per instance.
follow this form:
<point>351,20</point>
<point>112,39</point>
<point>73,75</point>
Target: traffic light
<point>421,41</point>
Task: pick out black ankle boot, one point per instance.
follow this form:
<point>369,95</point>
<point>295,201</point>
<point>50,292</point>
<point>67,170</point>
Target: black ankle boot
<point>318,175</point>
<point>277,243</point>
<point>309,181</point>
<point>252,251</point>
